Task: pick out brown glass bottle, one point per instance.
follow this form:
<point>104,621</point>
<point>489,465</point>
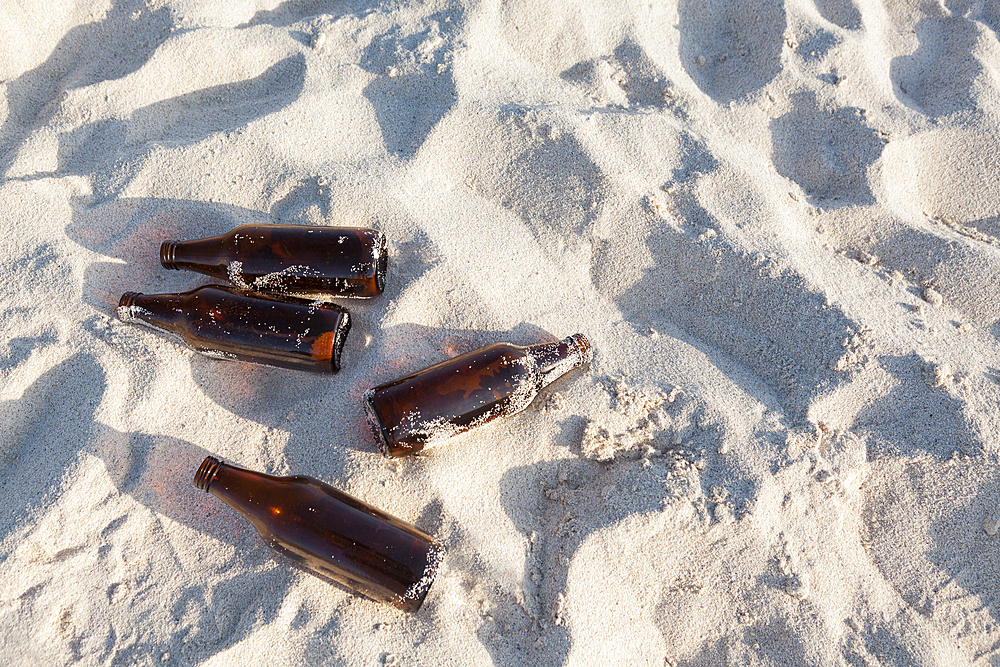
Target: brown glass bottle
<point>301,260</point>
<point>429,406</point>
<point>330,533</point>
<point>226,323</point>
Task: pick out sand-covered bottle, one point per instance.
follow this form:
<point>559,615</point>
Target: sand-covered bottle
<point>227,323</point>
<point>431,405</point>
<point>302,260</point>
<point>330,533</point>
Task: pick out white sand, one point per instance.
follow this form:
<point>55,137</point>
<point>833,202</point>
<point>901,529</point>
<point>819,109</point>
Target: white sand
<point>778,223</point>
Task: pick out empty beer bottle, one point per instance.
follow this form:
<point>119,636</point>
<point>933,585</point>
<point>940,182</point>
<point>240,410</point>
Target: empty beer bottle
<point>330,533</point>
<point>302,260</point>
<point>429,406</point>
<point>226,323</point>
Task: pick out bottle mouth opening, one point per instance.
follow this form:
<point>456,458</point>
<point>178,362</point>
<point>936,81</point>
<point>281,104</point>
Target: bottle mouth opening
<point>168,252</point>
<point>206,473</point>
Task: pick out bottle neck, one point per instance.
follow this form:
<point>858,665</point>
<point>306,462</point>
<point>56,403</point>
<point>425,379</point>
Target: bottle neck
<point>159,311</point>
<point>243,490</point>
<point>556,359</point>
<point>206,255</point>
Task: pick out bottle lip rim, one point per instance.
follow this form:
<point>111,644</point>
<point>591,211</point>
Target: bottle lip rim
<point>582,344</point>
<point>205,474</point>
<point>168,253</point>
<point>128,299</point>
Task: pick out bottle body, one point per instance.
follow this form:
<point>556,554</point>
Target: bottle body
<point>330,533</point>
<point>226,323</point>
<point>300,260</point>
<point>429,406</point>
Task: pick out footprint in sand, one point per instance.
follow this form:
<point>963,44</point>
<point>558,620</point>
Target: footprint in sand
<point>731,49</point>
<point>842,148</point>
<point>843,13</point>
<point>628,77</point>
<point>413,86</point>
<point>949,70</point>
<point>534,169</point>
<point>930,544</point>
<point>946,175</point>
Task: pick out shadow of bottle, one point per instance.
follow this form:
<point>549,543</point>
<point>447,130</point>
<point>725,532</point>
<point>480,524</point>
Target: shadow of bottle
<point>55,415</point>
<point>125,37</point>
<point>157,471</point>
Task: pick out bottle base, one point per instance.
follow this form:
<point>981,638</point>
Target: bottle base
<point>414,597</point>
<point>375,424</point>
<point>381,264</point>
<point>339,339</point>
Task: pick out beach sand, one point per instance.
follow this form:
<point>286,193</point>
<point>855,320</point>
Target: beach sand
<point>778,223</point>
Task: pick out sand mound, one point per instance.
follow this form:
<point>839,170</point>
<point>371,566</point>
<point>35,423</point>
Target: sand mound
<point>777,224</point>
